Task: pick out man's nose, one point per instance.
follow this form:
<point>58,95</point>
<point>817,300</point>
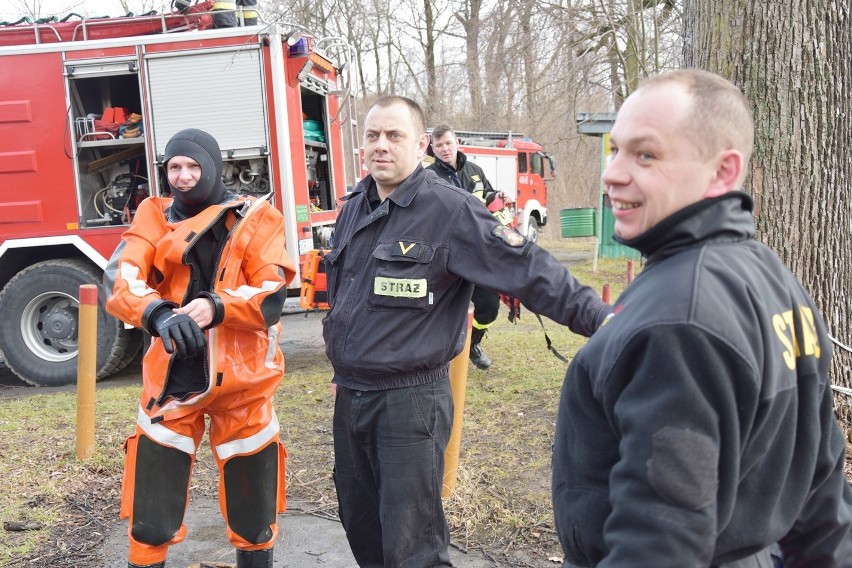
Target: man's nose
<point>614,173</point>
<point>382,142</point>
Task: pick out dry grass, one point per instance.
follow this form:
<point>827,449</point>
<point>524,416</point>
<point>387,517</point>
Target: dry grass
<point>42,484</point>
<point>501,504</point>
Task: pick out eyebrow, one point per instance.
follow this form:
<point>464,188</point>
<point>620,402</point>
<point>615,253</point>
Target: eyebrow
<point>391,129</point>
<point>636,140</point>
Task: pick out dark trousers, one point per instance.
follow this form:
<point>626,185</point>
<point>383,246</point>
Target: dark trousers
<point>486,306</point>
<point>762,559</point>
<point>389,469</point>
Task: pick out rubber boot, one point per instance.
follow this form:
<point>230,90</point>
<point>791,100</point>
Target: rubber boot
<point>254,558</point>
<point>477,355</point>
<point>157,565</point>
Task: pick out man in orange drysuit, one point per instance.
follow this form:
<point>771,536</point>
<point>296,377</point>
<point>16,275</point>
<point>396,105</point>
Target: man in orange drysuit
<point>204,272</point>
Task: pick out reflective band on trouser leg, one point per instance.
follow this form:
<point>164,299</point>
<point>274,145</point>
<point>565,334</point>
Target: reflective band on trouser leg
<point>244,436</point>
<point>224,14</point>
<point>157,478</point>
<point>249,15</point>
<point>251,487</point>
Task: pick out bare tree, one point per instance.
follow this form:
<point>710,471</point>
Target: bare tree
<point>630,38</point>
<point>138,7</point>
<point>355,24</point>
<point>490,65</point>
<point>37,9</point>
<point>468,17</point>
<point>796,78</point>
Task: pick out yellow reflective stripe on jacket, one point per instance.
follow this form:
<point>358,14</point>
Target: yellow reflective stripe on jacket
<point>504,216</point>
<point>224,5</point>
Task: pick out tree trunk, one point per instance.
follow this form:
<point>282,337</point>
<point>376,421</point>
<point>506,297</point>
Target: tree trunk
<point>429,57</point>
<point>791,59</point>
<point>528,59</point>
<point>470,21</point>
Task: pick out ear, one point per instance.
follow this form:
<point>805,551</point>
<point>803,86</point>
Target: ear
<point>422,144</point>
<point>729,170</point>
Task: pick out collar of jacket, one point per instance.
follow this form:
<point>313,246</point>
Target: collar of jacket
<point>726,218</point>
<point>228,200</point>
<point>461,159</point>
<point>404,193</point>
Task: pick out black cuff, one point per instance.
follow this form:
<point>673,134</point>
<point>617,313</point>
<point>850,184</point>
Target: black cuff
<point>151,310</point>
<point>218,306</point>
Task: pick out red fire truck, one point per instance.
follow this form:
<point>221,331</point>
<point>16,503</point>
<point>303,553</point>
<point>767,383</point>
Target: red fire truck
<point>518,167</point>
<point>86,108</point>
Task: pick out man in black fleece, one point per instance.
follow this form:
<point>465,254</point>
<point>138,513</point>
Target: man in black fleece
<point>696,427</point>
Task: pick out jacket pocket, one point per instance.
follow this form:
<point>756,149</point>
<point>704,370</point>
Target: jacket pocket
<point>401,280</point>
<point>128,476</point>
<point>331,262</point>
<point>281,502</point>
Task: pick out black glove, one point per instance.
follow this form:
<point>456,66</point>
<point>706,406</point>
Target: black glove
<point>180,329</point>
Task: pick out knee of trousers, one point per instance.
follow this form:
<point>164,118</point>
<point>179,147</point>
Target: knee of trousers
<point>154,495</point>
<point>253,492</point>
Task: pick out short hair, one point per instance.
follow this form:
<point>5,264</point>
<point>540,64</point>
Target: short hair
<point>719,117</point>
<point>441,130</point>
<point>416,112</point>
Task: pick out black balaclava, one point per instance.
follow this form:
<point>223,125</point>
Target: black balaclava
<point>203,148</point>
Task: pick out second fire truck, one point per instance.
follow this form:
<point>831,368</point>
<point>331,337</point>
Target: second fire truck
<point>518,167</point>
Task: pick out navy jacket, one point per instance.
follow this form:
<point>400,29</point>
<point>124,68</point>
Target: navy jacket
<point>398,300</point>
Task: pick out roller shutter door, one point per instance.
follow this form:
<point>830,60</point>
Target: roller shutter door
<point>221,93</point>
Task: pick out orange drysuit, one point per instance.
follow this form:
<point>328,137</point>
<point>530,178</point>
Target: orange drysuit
<point>233,380</point>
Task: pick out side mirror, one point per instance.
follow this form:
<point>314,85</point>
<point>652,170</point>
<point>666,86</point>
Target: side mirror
<point>550,168</point>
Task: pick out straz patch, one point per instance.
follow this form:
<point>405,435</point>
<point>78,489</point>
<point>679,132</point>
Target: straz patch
<point>400,287</point>
<point>411,250</point>
<point>509,236</point>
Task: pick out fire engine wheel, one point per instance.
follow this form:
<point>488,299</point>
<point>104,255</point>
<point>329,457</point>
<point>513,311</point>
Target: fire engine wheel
<point>134,345</point>
<point>532,230</point>
<point>38,331</point>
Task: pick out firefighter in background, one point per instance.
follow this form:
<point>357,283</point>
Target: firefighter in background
<point>452,165</point>
<point>226,14</point>
<point>205,273</point>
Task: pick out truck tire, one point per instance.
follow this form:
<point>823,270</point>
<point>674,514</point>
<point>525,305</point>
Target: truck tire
<point>38,330</point>
<point>532,230</point>
<point>134,345</point>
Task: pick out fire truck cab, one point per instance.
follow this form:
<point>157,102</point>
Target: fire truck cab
<point>518,167</point>
<point>86,109</point>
